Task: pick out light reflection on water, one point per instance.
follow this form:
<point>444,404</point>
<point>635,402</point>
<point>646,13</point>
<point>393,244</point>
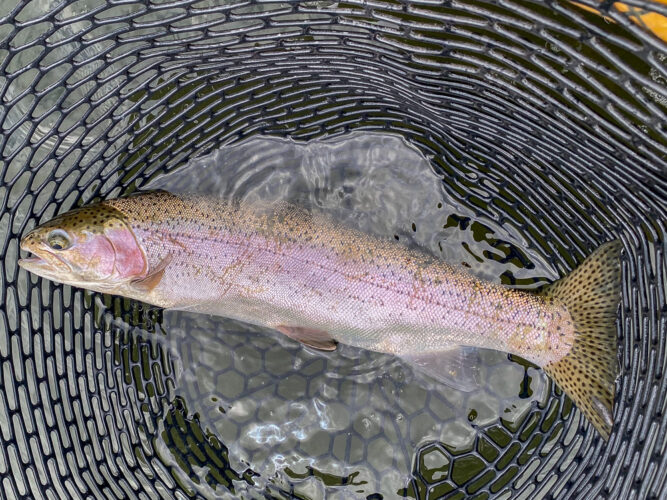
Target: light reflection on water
<point>350,416</point>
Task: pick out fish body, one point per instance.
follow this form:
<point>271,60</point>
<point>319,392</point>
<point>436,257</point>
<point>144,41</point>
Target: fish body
<point>281,267</point>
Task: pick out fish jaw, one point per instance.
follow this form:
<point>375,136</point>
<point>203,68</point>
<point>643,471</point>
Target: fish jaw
<point>43,263</point>
<point>51,269</point>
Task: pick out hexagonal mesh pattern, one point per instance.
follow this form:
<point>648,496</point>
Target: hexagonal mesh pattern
<point>544,118</point>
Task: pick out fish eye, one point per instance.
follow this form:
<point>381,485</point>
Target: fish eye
<point>58,240</point>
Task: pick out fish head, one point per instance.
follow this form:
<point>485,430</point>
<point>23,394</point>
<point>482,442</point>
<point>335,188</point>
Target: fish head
<point>92,247</point>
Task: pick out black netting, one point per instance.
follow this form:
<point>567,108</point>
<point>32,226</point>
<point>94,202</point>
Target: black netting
<point>546,118</point>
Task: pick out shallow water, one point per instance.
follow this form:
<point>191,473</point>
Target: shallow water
<point>335,422</point>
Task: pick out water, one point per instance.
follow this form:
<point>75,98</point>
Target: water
<point>335,422</point>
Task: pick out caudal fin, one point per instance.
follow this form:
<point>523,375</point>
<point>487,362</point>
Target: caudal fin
<point>588,373</point>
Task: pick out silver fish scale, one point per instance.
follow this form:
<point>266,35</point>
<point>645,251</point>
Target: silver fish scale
<point>283,267</point>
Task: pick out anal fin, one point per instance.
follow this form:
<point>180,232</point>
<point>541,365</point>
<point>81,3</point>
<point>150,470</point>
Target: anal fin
<point>312,337</point>
<point>457,367</point>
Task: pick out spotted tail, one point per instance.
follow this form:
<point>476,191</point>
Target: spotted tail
<point>588,372</point>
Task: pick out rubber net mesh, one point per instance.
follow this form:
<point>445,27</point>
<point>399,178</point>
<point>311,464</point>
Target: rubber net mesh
<point>545,117</point>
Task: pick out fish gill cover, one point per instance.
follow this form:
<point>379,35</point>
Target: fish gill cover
<point>545,125</point>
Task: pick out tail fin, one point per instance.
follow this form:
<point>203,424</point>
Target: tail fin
<point>588,373</point>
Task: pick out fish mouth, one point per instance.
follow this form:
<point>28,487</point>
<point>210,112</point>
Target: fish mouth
<point>31,261</point>
<point>43,263</point>
<point>40,265</point>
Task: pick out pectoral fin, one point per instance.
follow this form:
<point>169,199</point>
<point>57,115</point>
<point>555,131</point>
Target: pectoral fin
<point>312,337</point>
<point>149,282</point>
<point>457,367</point>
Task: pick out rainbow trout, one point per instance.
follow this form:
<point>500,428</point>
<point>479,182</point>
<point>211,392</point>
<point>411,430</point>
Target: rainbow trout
<point>320,283</point>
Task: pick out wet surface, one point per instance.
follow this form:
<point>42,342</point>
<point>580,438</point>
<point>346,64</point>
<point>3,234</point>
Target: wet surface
<point>352,416</point>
